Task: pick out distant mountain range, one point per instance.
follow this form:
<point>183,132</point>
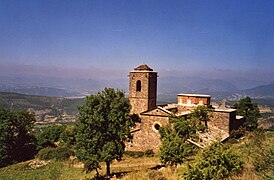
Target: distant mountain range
<point>260,92</point>
<point>168,87</point>
<point>41,91</point>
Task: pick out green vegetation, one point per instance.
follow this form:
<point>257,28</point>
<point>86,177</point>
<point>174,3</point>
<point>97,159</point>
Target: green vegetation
<point>57,105</point>
<point>196,121</point>
<point>53,170</point>
<point>215,162</point>
<point>59,153</point>
<point>72,169</point>
<point>99,139</point>
<point>50,135</point>
<point>140,168</point>
<point>175,148</point>
<point>102,129</point>
<point>67,137</point>
<point>16,138</point>
<point>258,153</point>
<point>245,107</point>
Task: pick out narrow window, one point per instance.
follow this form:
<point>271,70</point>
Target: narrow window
<point>138,85</point>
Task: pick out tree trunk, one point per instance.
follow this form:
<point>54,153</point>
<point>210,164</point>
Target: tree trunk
<point>108,170</point>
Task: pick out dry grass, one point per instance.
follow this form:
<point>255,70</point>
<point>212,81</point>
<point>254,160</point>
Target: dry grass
<point>128,168</point>
<point>162,174</point>
<point>72,169</point>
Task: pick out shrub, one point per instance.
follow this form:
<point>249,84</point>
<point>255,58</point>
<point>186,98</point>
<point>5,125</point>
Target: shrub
<point>259,151</point>
<point>217,162</point>
<point>46,137</point>
<point>59,153</point>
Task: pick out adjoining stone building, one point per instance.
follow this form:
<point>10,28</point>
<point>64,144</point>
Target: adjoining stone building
<point>143,96</point>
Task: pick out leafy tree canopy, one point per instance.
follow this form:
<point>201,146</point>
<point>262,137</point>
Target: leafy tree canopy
<point>174,147</point>
<point>215,162</point>
<point>196,121</point>
<point>245,107</point>
<point>16,140</point>
<point>103,127</point>
<point>68,136</point>
<point>46,137</point>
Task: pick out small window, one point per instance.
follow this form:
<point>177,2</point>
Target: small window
<point>157,126</point>
<point>138,85</point>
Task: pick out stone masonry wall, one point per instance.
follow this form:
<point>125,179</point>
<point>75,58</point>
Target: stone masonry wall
<point>146,98</point>
<point>148,136</point>
<point>220,120</point>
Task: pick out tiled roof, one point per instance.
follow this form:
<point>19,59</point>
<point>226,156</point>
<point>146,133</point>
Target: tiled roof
<point>143,67</point>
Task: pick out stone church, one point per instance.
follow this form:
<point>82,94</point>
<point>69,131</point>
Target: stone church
<point>143,97</point>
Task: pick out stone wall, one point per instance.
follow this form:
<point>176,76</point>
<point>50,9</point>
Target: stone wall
<point>146,135</point>
<point>146,98</point>
<point>224,120</point>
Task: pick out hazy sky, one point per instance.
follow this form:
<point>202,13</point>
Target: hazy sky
<point>216,38</point>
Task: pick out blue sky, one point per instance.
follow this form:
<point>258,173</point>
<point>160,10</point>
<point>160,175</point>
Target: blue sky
<point>214,38</point>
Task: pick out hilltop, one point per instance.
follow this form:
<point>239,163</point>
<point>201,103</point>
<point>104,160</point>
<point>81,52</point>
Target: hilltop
<point>45,108</point>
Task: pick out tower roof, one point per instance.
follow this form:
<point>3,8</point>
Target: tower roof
<point>143,67</point>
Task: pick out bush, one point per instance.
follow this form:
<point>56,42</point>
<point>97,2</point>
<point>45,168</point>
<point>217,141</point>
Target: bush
<point>217,162</point>
<point>259,151</point>
<point>59,153</point>
<point>46,137</point>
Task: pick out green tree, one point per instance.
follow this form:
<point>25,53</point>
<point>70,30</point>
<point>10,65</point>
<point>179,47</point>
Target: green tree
<point>47,137</point>
<point>245,107</point>
<point>196,121</point>
<point>103,127</point>
<point>55,132</point>
<point>217,161</point>
<point>201,114</point>
<point>174,149</point>
<point>68,136</point>
<point>16,139</point>
<point>186,128</point>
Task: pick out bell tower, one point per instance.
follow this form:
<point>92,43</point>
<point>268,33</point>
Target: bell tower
<point>142,89</point>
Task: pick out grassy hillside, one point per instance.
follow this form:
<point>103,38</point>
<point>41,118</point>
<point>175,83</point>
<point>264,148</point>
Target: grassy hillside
<point>253,149</point>
<point>46,109</point>
<point>22,101</point>
<point>72,169</point>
